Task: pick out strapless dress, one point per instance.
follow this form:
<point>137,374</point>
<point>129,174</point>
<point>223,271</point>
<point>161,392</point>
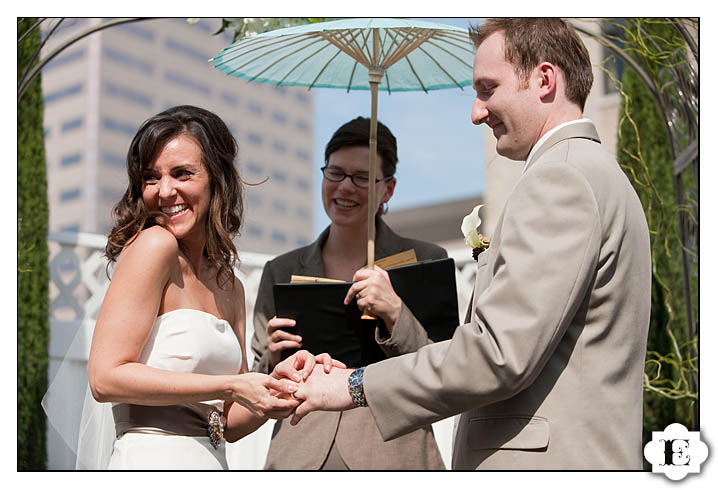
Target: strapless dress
<point>177,437</point>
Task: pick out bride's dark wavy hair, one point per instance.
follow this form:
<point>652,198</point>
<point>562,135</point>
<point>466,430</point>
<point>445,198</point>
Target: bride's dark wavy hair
<point>226,206</point>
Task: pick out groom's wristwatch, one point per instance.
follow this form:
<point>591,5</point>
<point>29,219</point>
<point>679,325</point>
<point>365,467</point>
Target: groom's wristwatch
<point>356,387</point>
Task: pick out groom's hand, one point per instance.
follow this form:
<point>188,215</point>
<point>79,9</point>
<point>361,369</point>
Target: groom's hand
<point>324,391</point>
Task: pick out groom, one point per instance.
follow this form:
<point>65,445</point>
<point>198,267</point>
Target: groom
<point>547,373</point>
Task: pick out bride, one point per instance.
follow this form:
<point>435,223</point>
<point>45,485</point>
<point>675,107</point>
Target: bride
<point>169,344</point>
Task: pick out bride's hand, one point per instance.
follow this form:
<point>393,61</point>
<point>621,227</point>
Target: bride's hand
<point>264,396</point>
<point>300,365</point>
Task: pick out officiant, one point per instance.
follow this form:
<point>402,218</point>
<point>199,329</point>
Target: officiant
<point>347,440</point>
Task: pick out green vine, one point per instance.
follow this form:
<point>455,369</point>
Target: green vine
<point>658,119</point>
<point>32,259</point>
<point>644,152</point>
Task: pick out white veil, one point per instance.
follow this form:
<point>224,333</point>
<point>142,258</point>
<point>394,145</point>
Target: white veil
<point>86,426</point>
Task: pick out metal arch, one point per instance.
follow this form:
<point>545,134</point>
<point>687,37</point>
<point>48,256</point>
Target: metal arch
<point>30,75</point>
<point>675,91</point>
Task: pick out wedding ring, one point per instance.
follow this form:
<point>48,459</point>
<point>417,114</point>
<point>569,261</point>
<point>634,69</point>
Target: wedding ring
<point>294,396</point>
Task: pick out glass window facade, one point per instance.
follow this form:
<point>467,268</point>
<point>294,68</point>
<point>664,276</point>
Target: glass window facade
<point>119,127</point>
<point>137,31</point>
<point>72,124</point>
<point>63,93</point>
<point>128,60</point>
<point>113,159</point>
<point>127,94</point>
<point>71,159</point>
<point>279,236</point>
<point>188,51</point>
<point>187,82</point>
<point>70,195</point>
<point>64,59</point>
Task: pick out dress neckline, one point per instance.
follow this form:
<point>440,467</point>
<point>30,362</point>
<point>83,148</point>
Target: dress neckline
<point>195,310</point>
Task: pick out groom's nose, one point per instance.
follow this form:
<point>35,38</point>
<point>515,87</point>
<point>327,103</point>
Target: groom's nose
<point>479,112</point>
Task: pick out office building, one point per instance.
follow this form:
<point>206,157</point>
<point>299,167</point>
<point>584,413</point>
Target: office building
<point>100,89</point>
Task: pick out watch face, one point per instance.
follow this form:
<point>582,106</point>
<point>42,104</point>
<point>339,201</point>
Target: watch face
<point>356,378</point>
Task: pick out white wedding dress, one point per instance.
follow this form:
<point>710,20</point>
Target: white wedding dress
<point>184,340</point>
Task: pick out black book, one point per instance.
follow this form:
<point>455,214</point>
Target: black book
<point>326,324</point>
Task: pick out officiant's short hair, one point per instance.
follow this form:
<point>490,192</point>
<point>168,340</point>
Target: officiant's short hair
<point>356,133</point>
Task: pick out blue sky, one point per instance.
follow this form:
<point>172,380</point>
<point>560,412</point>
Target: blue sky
<point>440,150</point>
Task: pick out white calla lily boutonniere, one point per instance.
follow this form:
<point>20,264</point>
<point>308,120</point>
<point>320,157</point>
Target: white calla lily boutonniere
<point>470,229</point>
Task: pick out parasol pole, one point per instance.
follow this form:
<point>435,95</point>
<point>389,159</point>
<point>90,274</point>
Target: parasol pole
<point>372,175</point>
<point>375,75</point>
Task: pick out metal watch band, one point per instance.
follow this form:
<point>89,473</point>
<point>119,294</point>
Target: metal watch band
<point>356,387</point>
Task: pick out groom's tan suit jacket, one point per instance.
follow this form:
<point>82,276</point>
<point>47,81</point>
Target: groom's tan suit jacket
<point>547,373</point>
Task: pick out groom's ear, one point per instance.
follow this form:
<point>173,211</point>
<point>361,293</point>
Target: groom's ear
<point>546,79</point>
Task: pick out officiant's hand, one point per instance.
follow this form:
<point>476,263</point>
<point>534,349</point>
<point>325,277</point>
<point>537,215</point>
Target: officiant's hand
<point>323,391</point>
<point>375,295</point>
<point>278,339</point>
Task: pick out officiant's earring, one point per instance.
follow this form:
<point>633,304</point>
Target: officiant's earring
<point>384,208</point>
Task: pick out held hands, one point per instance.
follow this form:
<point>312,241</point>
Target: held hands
<point>272,396</point>
<point>264,396</point>
<point>301,364</point>
<point>277,401</point>
<point>323,390</point>
<point>374,293</point>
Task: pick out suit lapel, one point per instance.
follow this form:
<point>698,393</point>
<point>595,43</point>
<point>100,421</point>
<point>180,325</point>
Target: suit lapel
<point>310,262</point>
<point>387,242</point>
<point>584,130</point>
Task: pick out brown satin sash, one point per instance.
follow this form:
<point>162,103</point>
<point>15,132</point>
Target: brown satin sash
<point>189,419</point>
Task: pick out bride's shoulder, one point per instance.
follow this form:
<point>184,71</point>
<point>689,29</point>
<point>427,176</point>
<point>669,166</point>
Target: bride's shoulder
<point>154,242</point>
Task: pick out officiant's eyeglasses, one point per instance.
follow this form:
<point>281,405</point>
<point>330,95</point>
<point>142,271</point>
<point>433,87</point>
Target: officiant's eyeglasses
<point>333,174</point>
